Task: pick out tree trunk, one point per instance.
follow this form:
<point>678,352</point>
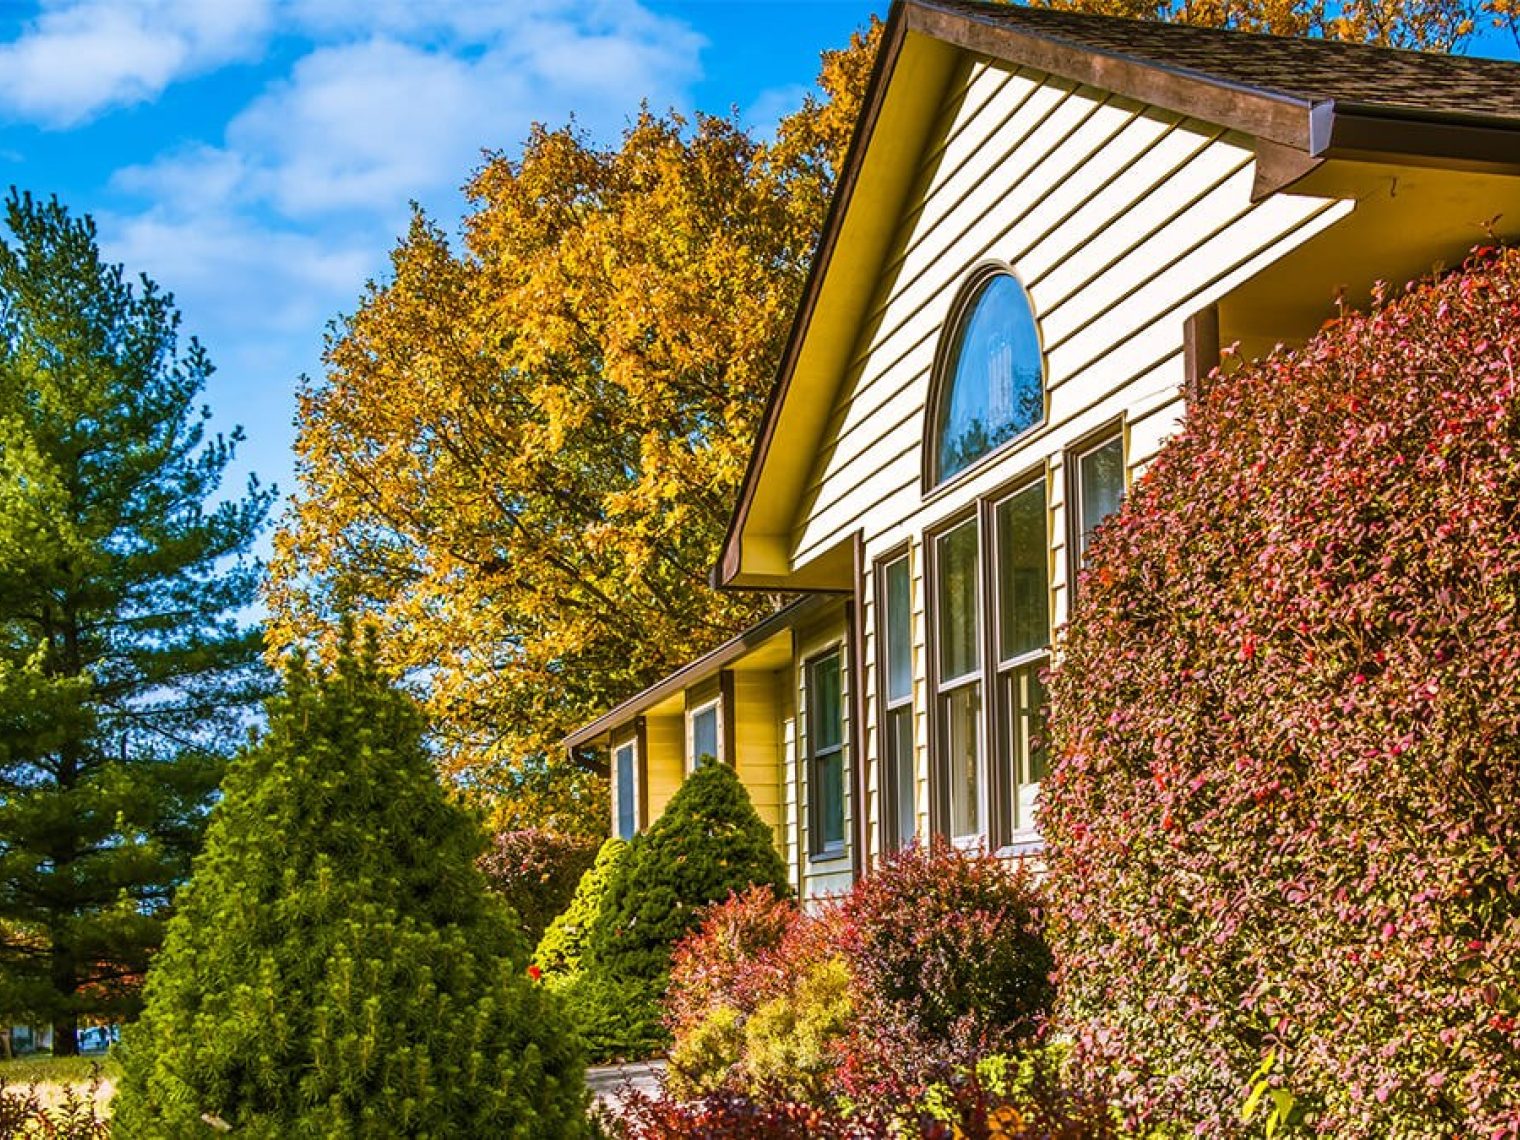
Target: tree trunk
<point>65,980</point>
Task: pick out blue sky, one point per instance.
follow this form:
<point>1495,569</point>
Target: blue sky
<point>257,157</point>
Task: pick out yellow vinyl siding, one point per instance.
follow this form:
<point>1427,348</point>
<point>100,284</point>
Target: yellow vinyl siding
<point>757,742</point>
<point>666,736</point>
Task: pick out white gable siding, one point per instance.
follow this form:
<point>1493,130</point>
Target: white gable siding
<point>1121,220</point>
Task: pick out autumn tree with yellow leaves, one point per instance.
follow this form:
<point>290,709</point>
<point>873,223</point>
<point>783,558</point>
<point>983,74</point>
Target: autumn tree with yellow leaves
<point>522,455</point>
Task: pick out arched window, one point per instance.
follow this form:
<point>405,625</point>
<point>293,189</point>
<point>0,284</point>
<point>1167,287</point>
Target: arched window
<point>991,383</point>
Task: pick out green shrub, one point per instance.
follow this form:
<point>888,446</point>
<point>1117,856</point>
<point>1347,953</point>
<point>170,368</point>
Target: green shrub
<point>708,842</point>
<point>563,944</point>
<point>336,965</point>
<point>536,872</point>
<point>616,1019</point>
<point>1283,822</point>
<point>791,1042</point>
<point>707,1054</point>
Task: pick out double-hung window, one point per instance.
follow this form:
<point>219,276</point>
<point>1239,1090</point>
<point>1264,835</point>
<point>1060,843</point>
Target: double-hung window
<point>1022,584</point>
<point>1097,474</point>
<point>991,619</point>
<point>958,680</point>
<point>825,747</point>
<point>899,784</point>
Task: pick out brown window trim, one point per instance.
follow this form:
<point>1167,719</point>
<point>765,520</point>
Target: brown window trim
<point>888,823</point>
<point>1071,457</point>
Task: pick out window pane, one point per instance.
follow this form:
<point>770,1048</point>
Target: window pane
<point>829,812</point>
<point>1022,568</point>
<point>899,631</point>
<point>1026,701</point>
<point>963,752</point>
<point>996,385</point>
<point>900,737</point>
<point>824,705</point>
<point>626,792</point>
<point>704,733</point>
<point>1101,474</point>
<point>959,622</point>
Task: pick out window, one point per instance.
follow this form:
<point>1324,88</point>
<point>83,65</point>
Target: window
<point>899,804</point>
<point>991,385</point>
<point>1098,472</point>
<point>825,743</point>
<point>989,732</point>
<point>1023,610</point>
<point>959,676</point>
<point>626,789</point>
<point>703,731</point>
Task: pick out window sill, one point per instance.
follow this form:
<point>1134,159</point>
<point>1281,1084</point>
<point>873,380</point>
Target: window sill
<point>829,854</point>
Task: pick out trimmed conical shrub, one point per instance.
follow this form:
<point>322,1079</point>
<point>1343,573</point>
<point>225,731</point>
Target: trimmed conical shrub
<point>708,843</point>
<point>564,943</point>
<point>336,966</point>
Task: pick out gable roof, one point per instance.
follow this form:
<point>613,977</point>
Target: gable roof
<point>1300,101</point>
<point>1306,70</point>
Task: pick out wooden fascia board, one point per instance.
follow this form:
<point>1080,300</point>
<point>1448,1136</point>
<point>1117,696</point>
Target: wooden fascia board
<point>1476,142</point>
<point>1271,115</point>
<point>746,544</point>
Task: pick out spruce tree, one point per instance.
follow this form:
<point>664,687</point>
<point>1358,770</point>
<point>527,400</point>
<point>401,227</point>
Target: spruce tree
<point>336,965</point>
<point>123,670</point>
<point>708,842</point>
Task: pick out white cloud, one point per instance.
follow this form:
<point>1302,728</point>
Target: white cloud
<point>772,105</point>
<point>81,57</point>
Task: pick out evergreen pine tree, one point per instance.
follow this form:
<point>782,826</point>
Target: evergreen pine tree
<point>708,842</point>
<point>563,943</point>
<point>336,965</point>
<point>123,672</point>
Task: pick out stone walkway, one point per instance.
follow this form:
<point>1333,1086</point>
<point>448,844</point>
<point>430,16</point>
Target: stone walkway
<point>608,1083</point>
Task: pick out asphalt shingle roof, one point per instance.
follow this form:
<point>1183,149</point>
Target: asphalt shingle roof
<point>1311,70</point>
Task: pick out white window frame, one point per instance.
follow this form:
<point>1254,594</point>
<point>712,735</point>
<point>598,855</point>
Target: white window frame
<point>893,708</point>
<point>947,688</point>
<point>635,790</point>
<point>716,705</point>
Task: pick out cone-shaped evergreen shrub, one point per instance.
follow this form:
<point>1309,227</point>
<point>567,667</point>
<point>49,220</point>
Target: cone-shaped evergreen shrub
<point>709,842</point>
<point>564,943</point>
<point>1284,821</point>
<point>336,965</point>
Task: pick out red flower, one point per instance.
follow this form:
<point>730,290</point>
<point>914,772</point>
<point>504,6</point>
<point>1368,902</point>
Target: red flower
<point>535,973</point>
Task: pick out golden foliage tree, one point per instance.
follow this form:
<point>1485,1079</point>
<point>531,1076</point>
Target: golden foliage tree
<point>523,453</point>
<point>1432,25</point>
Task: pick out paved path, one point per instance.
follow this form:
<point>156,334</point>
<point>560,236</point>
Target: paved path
<point>609,1082</point>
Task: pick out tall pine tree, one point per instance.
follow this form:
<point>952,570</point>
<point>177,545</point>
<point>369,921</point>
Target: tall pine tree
<point>124,673</point>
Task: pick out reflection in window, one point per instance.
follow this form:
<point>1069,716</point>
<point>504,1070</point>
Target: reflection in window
<point>1100,489</point>
<point>995,387</point>
<point>627,791</point>
<point>896,593</point>
<point>825,699</point>
<point>958,626</point>
<point>1023,602</point>
<point>704,735</point>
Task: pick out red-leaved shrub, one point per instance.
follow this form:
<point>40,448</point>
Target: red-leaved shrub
<point>1284,821</point>
<point>950,960</point>
<point>729,959</point>
<point>536,871</point>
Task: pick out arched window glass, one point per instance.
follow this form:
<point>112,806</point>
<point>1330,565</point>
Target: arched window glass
<point>994,387</point>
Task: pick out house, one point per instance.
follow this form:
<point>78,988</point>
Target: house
<point>1048,225</point>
